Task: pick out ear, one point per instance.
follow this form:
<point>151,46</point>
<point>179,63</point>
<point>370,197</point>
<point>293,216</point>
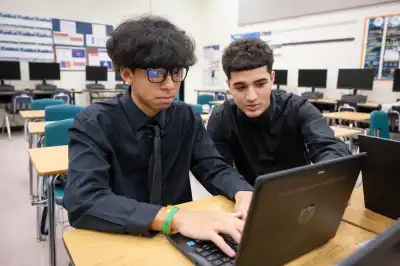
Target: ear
<point>127,75</point>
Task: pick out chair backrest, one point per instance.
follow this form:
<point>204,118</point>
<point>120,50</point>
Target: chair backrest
<point>62,95</point>
<point>379,124</point>
<point>56,133</point>
<point>205,99</point>
<point>197,108</point>
<point>21,102</point>
<point>41,104</point>
<point>61,112</point>
<point>346,108</point>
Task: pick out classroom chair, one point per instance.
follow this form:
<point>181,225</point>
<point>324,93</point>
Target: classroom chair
<point>56,134</point>
<point>220,96</point>
<point>204,100</point>
<point>61,112</point>
<point>63,95</point>
<point>19,102</point>
<point>197,108</point>
<point>379,124</point>
<point>41,104</point>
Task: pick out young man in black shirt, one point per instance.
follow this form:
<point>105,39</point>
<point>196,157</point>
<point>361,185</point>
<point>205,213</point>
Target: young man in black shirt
<point>131,155</point>
<point>260,131</point>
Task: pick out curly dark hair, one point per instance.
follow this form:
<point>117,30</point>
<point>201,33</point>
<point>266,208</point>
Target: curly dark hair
<point>150,42</point>
<point>247,54</point>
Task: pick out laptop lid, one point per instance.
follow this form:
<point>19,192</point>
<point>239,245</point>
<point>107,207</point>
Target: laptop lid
<point>380,174</point>
<point>297,210</point>
<point>383,250</point>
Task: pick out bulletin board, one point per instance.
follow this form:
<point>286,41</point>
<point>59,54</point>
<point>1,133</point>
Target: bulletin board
<point>381,45</point>
<point>67,42</point>
<point>26,38</point>
<point>81,43</point>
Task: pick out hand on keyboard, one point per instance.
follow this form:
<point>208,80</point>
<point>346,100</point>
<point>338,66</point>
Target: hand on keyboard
<point>208,225</point>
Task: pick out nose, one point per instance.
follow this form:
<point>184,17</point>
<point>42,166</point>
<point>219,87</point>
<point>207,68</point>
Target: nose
<point>168,83</point>
<point>251,94</point>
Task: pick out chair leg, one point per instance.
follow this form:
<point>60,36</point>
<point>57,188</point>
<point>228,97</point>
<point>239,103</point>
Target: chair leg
<point>8,127</point>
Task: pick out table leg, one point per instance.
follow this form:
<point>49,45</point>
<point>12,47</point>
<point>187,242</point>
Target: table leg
<point>52,226</point>
<point>90,98</point>
<point>26,129</point>
<point>30,169</point>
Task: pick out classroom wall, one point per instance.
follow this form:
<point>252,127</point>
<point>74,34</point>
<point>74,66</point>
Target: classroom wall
<point>222,21</point>
<point>185,13</point>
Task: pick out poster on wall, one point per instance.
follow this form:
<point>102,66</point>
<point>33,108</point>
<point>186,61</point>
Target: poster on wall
<point>25,38</point>
<point>98,57</point>
<point>211,71</point>
<point>381,45</point>
<point>245,35</point>
<point>71,58</point>
<point>391,55</point>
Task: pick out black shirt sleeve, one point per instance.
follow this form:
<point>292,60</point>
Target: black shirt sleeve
<point>218,133</point>
<point>209,167</point>
<point>88,198</point>
<point>319,138</point>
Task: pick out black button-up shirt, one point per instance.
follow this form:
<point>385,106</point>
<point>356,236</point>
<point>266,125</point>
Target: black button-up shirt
<point>109,152</point>
<point>290,133</point>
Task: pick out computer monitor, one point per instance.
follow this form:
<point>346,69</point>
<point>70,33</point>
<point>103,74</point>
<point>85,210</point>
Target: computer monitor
<point>9,70</point>
<point>355,79</point>
<point>44,71</point>
<point>280,77</point>
<point>96,73</point>
<point>314,78</point>
<point>396,80</point>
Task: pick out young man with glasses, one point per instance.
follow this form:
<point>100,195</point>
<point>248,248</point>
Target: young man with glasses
<point>131,155</point>
<point>259,131</point>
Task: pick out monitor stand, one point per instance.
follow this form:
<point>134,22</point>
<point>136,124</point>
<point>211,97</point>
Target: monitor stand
<point>45,87</point>
<point>95,86</point>
<point>6,87</point>
<point>312,94</point>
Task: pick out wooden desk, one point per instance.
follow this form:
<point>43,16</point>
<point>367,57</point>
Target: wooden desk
<point>351,116</point>
<point>341,132</point>
<point>325,101</point>
<point>368,105</point>
<point>29,114</point>
<point>37,127</point>
<point>50,160</point>
<point>89,248</point>
<point>357,215</point>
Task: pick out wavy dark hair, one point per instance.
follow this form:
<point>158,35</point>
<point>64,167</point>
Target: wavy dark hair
<point>150,42</point>
<point>247,54</point>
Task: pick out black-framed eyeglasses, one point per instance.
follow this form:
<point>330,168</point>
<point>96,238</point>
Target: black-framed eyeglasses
<point>158,75</point>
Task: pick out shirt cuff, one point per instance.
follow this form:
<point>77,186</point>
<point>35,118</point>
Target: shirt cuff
<point>239,186</point>
<point>138,221</point>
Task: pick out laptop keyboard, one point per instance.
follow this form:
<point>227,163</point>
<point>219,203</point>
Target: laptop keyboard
<point>213,254</point>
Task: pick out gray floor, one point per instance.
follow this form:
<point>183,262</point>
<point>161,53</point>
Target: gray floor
<point>18,245</point>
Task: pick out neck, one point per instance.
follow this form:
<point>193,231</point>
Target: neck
<point>143,106</point>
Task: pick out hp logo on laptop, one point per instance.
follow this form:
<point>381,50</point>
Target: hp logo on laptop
<point>306,214</point>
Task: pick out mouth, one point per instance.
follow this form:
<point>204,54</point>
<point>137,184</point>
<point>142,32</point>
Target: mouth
<point>252,107</point>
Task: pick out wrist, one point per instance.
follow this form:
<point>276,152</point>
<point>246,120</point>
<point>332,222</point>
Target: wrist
<point>240,194</point>
<point>178,219</point>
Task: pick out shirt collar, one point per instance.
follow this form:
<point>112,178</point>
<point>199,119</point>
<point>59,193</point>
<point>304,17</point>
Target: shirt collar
<point>265,118</point>
<point>137,117</point>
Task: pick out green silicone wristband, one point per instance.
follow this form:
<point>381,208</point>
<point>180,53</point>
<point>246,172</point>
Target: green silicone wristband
<point>168,221</point>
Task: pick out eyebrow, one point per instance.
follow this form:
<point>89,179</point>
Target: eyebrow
<point>244,83</point>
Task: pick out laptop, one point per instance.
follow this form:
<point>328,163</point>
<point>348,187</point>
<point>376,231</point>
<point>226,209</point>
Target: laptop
<point>382,250</point>
<point>291,213</point>
<point>381,176</point>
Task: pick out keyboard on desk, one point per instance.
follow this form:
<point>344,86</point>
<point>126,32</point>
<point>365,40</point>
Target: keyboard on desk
<point>204,253</point>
